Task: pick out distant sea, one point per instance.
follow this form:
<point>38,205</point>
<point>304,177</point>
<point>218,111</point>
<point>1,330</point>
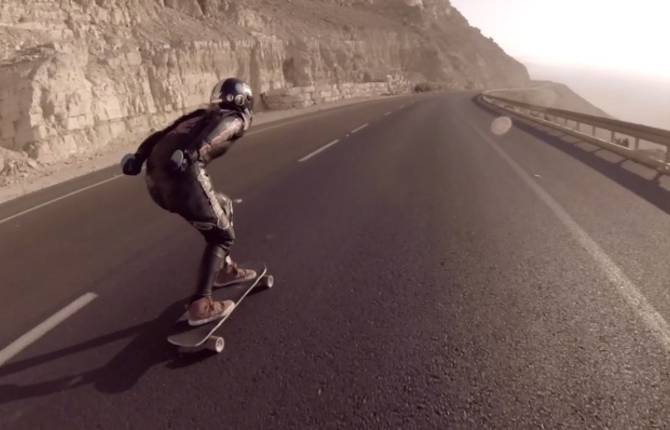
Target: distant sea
<point>628,97</point>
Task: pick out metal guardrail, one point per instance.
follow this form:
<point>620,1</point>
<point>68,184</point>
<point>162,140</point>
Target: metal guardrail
<point>647,145</point>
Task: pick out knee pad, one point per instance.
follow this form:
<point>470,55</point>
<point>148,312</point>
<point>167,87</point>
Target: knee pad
<point>216,236</point>
<point>225,238</point>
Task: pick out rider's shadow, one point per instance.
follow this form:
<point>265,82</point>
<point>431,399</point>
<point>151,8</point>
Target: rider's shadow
<point>147,349</point>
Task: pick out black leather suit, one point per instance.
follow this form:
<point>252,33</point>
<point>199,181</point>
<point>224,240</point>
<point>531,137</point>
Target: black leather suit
<point>202,136</point>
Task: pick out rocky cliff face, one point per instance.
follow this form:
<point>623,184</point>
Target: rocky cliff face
<point>78,74</point>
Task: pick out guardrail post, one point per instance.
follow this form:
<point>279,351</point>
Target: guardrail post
<point>612,136</point>
<point>637,144</point>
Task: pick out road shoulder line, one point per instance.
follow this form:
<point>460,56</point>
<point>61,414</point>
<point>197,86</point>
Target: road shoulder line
<point>624,286</point>
<point>64,196</point>
<point>27,339</point>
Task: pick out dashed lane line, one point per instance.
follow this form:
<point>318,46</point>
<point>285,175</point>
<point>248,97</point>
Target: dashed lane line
<point>323,148</point>
<point>357,129</point>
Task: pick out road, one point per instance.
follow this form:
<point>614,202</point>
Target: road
<point>428,275</point>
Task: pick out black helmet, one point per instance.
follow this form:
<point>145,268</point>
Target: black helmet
<point>233,93</point>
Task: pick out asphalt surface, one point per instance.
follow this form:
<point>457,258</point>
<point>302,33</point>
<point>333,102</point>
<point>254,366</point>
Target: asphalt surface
<point>428,275</point>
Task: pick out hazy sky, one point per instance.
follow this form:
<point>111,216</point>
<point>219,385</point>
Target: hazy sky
<point>617,35</point>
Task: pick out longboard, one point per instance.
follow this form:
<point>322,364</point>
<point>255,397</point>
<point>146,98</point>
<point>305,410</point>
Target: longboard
<point>189,338</point>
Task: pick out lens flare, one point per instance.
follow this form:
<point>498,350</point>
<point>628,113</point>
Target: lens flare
<point>501,125</point>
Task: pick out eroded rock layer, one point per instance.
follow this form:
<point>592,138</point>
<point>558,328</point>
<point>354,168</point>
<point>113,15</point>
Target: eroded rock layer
<point>77,74</point>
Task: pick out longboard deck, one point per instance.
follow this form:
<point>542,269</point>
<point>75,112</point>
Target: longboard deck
<point>186,336</point>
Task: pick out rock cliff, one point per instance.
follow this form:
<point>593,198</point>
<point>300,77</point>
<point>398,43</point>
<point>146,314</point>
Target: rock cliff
<point>78,74</point>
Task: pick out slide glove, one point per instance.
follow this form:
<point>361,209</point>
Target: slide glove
<point>130,165</point>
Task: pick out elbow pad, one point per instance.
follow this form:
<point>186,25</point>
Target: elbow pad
<point>218,138</point>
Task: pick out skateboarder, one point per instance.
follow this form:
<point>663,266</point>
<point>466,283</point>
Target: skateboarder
<point>178,182</point>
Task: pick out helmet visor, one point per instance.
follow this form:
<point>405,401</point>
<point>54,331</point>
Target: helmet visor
<point>236,99</point>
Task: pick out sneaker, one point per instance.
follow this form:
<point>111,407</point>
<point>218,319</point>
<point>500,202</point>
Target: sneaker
<point>205,310</point>
<point>233,274</point>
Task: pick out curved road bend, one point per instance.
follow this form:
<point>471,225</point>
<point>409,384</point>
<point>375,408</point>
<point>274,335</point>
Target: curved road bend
<point>429,275</point>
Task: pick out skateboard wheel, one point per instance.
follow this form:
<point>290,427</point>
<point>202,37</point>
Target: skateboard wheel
<point>268,281</point>
<point>215,343</point>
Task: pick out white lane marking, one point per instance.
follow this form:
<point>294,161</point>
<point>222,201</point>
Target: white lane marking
<point>323,148</point>
<point>40,330</point>
<point>387,114</point>
<point>41,205</point>
<point>357,129</point>
<point>624,286</point>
